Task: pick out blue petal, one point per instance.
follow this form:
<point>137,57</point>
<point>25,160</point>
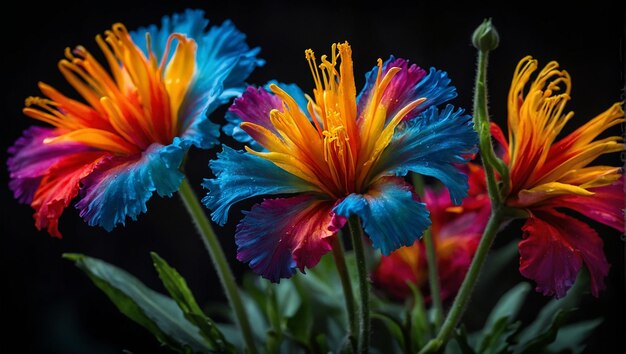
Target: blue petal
<point>430,144</point>
<point>190,23</point>
<point>121,187</point>
<point>241,175</point>
<point>391,217</point>
<point>408,85</point>
<point>278,235</point>
<point>223,62</point>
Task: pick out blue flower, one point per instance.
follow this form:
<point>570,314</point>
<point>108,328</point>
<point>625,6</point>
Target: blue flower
<point>335,155</point>
<point>129,136</point>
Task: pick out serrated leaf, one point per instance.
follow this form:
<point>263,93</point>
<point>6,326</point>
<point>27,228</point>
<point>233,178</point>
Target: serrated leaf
<point>157,313</point>
<point>571,337</point>
<point>177,287</point>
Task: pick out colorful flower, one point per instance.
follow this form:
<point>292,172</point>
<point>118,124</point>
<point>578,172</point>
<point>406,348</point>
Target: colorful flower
<point>340,155</point>
<point>546,174</point>
<point>456,231</point>
<point>129,136</point>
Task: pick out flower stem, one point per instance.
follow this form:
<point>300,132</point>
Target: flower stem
<point>482,127</point>
<point>463,297</point>
<point>342,269</point>
<point>490,161</point>
<point>433,277</point>
<point>219,261</point>
<point>356,232</point>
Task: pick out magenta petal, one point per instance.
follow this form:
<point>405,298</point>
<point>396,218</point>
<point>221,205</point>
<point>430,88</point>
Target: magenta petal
<point>31,159</point>
<point>553,248</point>
<point>606,206</point>
<point>255,105</point>
<point>279,235</point>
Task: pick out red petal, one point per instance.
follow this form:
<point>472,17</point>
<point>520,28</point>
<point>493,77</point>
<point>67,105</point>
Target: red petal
<point>59,186</point>
<point>553,248</point>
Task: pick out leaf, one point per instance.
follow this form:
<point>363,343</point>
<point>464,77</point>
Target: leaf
<point>571,337</point>
<point>419,322</point>
<point>462,340</point>
<point>178,289</point>
<point>301,323</point>
<point>508,305</point>
<point>395,329</point>
<point>537,344</point>
<point>157,313</point>
<point>547,313</point>
<point>496,340</point>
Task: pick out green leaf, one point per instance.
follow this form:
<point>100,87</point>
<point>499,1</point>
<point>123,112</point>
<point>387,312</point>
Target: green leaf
<point>180,292</point>
<point>289,300</point>
<point>547,313</point>
<point>157,313</point>
<point>419,322</point>
<point>539,343</point>
<point>571,337</point>
<point>301,323</point>
<point>462,341</point>
<point>509,305</point>
<point>395,329</point>
<point>496,340</point>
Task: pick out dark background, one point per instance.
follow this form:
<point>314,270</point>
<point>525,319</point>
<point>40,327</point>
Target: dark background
<point>53,305</point>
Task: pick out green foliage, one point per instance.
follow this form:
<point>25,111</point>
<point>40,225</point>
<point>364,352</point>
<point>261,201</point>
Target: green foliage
<point>178,323</point>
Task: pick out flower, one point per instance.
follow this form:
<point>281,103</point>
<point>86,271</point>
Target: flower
<point>340,155</point>
<point>130,135</point>
<point>456,231</point>
<point>546,174</point>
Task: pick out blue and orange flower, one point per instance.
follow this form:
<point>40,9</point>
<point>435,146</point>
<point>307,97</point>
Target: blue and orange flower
<point>546,174</point>
<point>129,135</point>
<point>340,154</point>
<point>456,232</point>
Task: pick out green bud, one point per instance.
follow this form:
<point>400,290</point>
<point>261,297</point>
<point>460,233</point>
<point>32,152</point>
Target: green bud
<point>485,37</point>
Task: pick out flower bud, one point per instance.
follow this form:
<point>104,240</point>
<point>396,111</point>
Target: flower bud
<point>485,37</point>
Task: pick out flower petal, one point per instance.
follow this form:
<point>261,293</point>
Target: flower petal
<point>553,248</point>
<point>408,85</point>
<point>279,235</point>
<point>391,216</point>
<point>430,145</point>
<point>223,62</point>
<point>241,175</point>
<point>60,185</point>
<point>120,187</point>
<point>31,159</point>
<point>254,106</point>
<point>605,206</point>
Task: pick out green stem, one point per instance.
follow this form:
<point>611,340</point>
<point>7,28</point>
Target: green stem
<point>481,125</point>
<point>433,277</point>
<point>342,270</point>
<point>212,245</point>
<point>463,297</point>
<point>356,232</point>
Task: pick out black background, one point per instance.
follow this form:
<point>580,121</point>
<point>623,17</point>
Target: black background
<point>55,308</point>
